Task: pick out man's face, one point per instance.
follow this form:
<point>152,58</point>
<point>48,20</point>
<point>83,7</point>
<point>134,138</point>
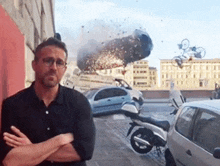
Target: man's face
<point>48,73</point>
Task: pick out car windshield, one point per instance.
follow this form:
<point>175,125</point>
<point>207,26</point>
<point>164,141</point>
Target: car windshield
<point>89,94</point>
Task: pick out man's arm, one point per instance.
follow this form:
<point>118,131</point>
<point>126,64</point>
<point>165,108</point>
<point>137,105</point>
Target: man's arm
<point>84,135</point>
<point>65,153</point>
<point>34,154</point>
<point>84,128</point>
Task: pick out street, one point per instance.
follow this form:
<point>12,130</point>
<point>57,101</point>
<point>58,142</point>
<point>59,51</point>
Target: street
<point>113,147</point>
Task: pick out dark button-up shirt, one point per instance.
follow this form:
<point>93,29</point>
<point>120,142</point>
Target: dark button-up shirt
<point>70,112</point>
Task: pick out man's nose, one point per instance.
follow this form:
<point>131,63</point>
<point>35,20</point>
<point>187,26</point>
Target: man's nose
<point>54,65</point>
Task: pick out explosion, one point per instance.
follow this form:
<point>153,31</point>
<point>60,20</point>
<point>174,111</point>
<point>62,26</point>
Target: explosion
<point>114,53</point>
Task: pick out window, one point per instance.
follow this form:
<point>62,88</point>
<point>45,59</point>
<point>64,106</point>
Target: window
<point>183,124</point>
<point>112,92</point>
<point>200,83</point>
<point>103,94</point>
<point>206,131</point>
<point>118,92</point>
<point>89,94</point>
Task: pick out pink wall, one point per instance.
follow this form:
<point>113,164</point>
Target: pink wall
<point>12,57</point>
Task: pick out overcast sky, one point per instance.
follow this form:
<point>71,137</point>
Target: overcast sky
<point>167,22</point>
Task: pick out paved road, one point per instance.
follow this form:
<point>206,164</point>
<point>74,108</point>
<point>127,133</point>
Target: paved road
<point>113,147</point>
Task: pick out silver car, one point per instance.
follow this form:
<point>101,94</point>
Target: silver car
<point>194,137</point>
<point>107,99</point>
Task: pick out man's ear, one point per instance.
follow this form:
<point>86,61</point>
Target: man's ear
<point>33,65</point>
<point>65,69</point>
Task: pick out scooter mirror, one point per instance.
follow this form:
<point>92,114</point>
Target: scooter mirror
<point>174,112</point>
<point>129,107</point>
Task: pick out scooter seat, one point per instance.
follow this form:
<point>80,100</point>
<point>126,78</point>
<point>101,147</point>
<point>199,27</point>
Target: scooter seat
<point>165,125</point>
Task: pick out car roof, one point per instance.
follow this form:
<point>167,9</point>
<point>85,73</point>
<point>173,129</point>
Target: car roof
<point>213,105</point>
<point>107,86</point>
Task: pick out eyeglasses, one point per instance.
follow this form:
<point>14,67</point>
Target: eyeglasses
<point>50,61</point>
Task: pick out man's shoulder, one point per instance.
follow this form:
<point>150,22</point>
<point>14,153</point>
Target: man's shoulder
<point>73,95</point>
<point>73,92</point>
<point>19,96</point>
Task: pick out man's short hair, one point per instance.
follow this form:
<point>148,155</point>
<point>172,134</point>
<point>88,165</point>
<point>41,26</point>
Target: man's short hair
<point>51,41</point>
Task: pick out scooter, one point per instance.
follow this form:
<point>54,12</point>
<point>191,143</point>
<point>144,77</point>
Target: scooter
<point>151,132</point>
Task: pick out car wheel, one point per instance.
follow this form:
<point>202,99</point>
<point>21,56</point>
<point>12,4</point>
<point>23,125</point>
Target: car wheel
<point>140,147</point>
<point>169,158</point>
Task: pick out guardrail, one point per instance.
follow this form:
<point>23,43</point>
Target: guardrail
<point>166,100</point>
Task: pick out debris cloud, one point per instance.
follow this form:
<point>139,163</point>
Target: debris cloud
<point>114,53</point>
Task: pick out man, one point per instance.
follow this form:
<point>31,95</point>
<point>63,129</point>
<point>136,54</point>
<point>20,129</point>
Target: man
<point>47,124</point>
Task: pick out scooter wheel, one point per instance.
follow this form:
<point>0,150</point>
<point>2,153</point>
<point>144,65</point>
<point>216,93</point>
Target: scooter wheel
<point>140,147</point>
<point>169,158</point>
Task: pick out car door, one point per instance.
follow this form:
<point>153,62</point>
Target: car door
<point>179,137</point>
<point>206,137</point>
<point>119,96</point>
<point>101,100</point>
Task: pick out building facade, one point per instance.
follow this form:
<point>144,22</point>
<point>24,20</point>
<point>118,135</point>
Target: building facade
<point>23,25</point>
<point>141,75</point>
<point>153,77</point>
<point>195,74</point>
<point>138,75</point>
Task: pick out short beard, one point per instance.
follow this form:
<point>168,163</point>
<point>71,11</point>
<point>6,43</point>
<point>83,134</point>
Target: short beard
<point>49,84</point>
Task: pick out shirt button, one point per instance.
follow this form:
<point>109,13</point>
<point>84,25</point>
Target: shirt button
<point>48,128</point>
<point>47,112</point>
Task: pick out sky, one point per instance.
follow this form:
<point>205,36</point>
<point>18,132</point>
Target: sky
<point>167,22</point>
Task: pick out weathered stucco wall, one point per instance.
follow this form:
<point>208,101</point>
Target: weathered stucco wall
<point>35,20</point>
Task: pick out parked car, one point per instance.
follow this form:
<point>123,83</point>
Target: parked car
<point>107,99</point>
<point>194,137</point>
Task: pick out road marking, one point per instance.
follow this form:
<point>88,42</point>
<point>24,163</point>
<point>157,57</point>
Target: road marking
<point>118,117</point>
<point>97,164</point>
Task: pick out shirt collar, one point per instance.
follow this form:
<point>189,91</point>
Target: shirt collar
<point>58,99</point>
